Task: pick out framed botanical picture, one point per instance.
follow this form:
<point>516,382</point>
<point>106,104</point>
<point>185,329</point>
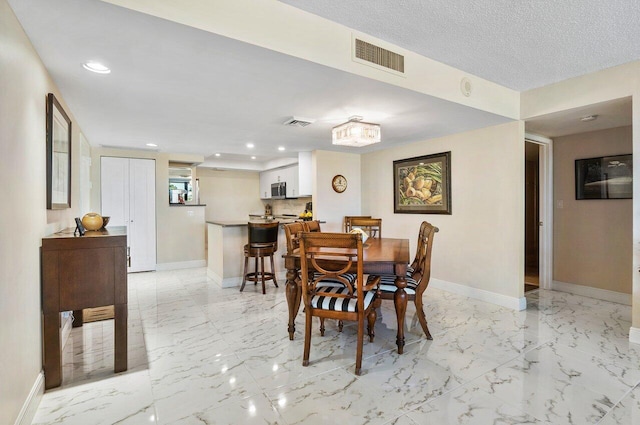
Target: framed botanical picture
<point>606,177</point>
<point>422,185</point>
<point>58,156</point>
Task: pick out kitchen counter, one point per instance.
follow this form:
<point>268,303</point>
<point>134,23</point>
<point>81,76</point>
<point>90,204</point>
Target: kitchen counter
<point>226,240</point>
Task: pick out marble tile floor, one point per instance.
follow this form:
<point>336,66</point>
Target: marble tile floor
<point>199,354</point>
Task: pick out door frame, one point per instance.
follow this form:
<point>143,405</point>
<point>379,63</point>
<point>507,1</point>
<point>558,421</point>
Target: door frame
<point>545,208</point>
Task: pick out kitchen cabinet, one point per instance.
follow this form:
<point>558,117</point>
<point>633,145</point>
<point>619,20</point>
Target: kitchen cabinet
<point>305,179</point>
<point>266,178</point>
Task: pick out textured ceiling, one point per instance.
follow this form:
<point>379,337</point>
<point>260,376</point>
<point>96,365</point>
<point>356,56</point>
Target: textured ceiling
<point>519,44</point>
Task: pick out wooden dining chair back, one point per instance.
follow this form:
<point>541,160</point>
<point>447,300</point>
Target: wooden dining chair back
<point>292,233</point>
<point>312,226</point>
<point>262,242</point>
<point>347,221</point>
<point>418,275</point>
<point>371,226</point>
<point>328,257</point>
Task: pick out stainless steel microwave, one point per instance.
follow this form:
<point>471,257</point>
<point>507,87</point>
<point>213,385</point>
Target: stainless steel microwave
<point>278,190</point>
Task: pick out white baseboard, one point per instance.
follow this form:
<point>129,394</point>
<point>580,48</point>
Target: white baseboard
<point>634,335</point>
<point>480,294</point>
<point>30,406</point>
<point>587,291</point>
<point>233,282</point>
<point>181,265</point>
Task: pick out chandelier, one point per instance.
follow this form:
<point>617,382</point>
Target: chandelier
<point>356,133</point>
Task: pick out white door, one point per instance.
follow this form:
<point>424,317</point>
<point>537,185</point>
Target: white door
<point>128,197</point>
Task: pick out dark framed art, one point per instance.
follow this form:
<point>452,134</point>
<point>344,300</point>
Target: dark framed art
<point>422,185</point>
<point>606,177</point>
<point>58,156</point>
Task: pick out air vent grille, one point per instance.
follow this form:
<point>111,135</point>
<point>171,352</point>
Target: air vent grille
<point>299,122</point>
<point>379,56</point>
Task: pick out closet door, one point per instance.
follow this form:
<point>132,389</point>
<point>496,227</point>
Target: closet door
<point>128,197</point>
<point>142,214</point>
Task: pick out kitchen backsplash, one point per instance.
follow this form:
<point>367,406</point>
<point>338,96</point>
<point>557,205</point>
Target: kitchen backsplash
<point>287,206</point>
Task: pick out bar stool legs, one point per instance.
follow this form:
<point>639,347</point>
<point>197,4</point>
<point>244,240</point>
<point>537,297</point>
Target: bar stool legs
<point>259,273</point>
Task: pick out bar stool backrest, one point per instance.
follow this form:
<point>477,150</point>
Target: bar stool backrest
<point>263,234</point>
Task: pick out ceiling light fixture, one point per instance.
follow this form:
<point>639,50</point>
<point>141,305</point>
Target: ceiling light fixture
<point>153,145</point>
<point>96,67</point>
<point>250,145</point>
<point>356,133</point>
<point>280,148</point>
<point>253,157</point>
<point>588,118</point>
<point>217,154</point>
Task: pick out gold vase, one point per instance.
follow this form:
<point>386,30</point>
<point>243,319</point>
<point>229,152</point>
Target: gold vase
<point>92,221</point>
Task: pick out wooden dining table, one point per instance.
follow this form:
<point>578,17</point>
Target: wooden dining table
<point>380,256</point>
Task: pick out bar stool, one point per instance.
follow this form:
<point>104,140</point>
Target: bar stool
<point>263,242</point>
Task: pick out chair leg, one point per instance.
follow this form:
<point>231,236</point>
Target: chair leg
<point>307,338</point>
<point>273,271</point>
<point>421,317</point>
<point>255,268</point>
<point>340,325</point>
<point>359,344</point>
<point>371,321</point>
<point>244,272</point>
<point>321,326</point>
<point>264,289</point>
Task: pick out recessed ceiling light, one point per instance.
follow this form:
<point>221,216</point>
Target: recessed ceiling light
<point>250,145</point>
<point>96,67</point>
<point>281,148</point>
<point>217,154</point>
<point>253,157</point>
<point>153,145</point>
<point>588,118</point>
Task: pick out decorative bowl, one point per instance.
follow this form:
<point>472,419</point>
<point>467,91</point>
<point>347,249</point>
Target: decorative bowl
<point>92,221</point>
<point>105,221</point>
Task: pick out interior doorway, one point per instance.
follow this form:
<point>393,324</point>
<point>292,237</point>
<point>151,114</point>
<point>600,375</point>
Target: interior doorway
<point>532,217</point>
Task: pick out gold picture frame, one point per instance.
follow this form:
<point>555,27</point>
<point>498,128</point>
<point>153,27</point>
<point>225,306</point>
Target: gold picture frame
<point>422,185</point>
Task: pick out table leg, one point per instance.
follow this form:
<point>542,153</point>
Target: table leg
<point>120,324</point>
<point>52,355</point>
<point>400,301</point>
<point>293,299</point>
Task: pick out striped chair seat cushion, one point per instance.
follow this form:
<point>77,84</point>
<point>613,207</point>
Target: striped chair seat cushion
<point>326,302</point>
<point>410,271</point>
<point>387,284</point>
<point>331,282</point>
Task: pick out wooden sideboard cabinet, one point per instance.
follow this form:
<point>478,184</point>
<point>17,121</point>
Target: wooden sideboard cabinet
<point>77,273</point>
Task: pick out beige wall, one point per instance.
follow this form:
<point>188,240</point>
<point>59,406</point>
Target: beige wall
<point>609,84</point>
<point>24,219</point>
<point>327,204</point>
<point>592,238</point>
<point>481,245</point>
<point>178,237</point>
<point>229,195</point>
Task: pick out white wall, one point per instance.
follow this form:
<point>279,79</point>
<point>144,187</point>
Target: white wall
<point>328,205</point>
<point>24,219</point>
<point>481,244</point>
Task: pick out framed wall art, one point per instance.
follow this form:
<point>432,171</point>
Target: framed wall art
<point>606,177</point>
<point>422,185</point>
<point>58,156</point>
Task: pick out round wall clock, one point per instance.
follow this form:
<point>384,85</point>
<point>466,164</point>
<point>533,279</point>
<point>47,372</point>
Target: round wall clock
<point>339,183</point>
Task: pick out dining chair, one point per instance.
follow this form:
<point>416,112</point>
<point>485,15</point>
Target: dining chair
<point>292,232</point>
<point>263,242</point>
<point>372,226</point>
<point>330,256</point>
<point>418,275</point>
<point>312,226</point>
<point>347,221</point>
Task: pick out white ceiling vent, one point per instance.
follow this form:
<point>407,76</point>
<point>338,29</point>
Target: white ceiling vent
<point>371,54</point>
<point>299,122</point>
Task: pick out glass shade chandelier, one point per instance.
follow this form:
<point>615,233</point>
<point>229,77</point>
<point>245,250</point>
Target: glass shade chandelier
<point>356,133</point>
